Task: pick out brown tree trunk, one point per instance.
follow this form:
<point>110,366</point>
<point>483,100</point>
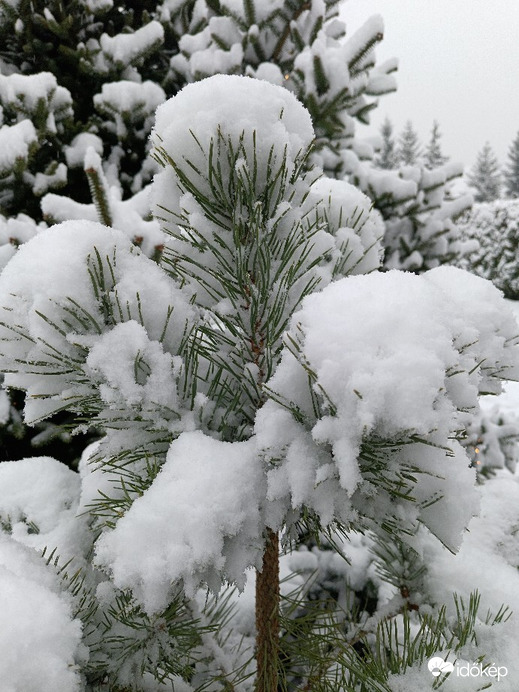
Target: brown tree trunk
<point>267,617</point>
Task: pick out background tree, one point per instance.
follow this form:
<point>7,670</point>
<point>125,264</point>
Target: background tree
<point>179,43</point>
<point>485,175</point>
<point>433,156</point>
<point>495,228</point>
<point>511,174</point>
<point>387,157</point>
<point>408,148</point>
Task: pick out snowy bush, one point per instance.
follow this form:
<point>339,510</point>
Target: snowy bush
<point>261,381</point>
<point>495,227</point>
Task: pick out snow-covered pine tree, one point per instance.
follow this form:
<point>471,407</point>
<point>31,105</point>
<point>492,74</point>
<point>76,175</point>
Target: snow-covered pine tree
<point>511,173</point>
<point>78,86</point>
<point>238,407</point>
<point>485,175</point>
<point>409,149</point>
<point>433,156</point>
<point>387,157</point>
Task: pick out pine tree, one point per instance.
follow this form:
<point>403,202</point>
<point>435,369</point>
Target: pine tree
<point>238,408</point>
<point>485,175</point>
<point>167,342</point>
<point>433,156</point>
<point>408,149</point>
<point>387,157</point>
<point>512,170</point>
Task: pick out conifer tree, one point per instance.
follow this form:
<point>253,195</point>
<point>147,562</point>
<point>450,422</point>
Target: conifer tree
<point>408,149</point>
<point>164,385</point>
<point>239,408</point>
<point>387,157</point>
<point>511,175</point>
<point>433,157</point>
<point>485,175</point>
<point>117,82</point>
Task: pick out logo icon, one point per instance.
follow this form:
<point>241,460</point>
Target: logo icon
<point>437,666</point>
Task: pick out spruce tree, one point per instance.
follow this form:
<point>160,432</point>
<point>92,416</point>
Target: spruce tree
<point>485,175</point>
<point>433,156</point>
<point>511,175</point>
<point>408,148</point>
<point>387,157</point>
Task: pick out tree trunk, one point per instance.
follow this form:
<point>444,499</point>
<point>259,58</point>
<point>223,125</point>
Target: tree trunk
<point>267,617</point>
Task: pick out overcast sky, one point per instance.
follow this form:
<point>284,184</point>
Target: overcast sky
<point>458,63</point>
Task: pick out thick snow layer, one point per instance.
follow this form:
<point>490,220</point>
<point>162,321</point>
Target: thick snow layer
<point>50,279</point>
<point>123,49</point>
<point>128,215</point>
<point>199,521</point>
<point>488,561</point>
<point>38,506</point>
<point>25,92</point>
<point>40,643</point>
<point>47,181</point>
<point>236,105</point>
<point>336,230</point>
<point>35,493</point>
<point>387,356</point>
<point>114,356</point>
<point>75,152</point>
<point>98,5</point>
<point>357,228</point>
<point>126,101</point>
<point>15,143</point>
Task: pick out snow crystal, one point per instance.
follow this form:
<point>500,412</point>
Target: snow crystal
<point>199,521</point>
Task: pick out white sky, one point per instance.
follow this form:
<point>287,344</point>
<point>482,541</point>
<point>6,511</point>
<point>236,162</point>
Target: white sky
<point>458,63</point>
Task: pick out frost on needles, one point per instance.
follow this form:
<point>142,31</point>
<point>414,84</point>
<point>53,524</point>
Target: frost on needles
<point>263,374</point>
